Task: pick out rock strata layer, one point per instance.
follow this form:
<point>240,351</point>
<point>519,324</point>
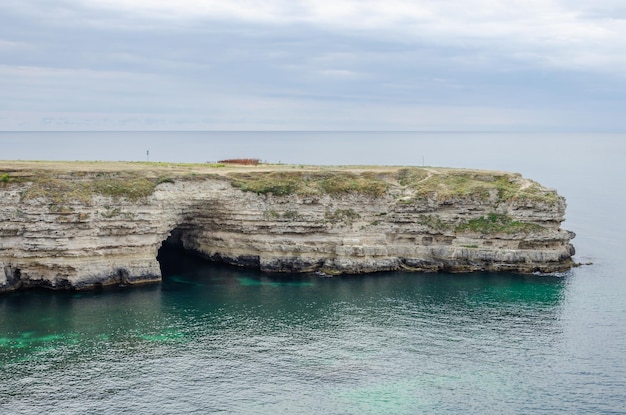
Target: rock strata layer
<point>84,226</point>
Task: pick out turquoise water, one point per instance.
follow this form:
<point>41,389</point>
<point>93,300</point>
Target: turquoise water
<point>217,339</point>
<point>214,339</point>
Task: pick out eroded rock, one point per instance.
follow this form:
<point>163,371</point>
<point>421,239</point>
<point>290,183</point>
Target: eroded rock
<point>84,230</point>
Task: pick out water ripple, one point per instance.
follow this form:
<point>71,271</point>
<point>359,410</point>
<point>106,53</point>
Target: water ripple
<point>218,340</point>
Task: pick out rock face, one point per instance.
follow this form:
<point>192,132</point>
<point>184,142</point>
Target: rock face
<point>94,226</point>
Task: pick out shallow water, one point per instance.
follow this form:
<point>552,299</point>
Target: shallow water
<point>213,338</point>
<point>216,339</point>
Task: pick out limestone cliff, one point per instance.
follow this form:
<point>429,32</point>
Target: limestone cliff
<point>87,225</point>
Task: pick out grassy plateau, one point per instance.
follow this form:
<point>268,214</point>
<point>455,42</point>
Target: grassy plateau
<point>80,180</point>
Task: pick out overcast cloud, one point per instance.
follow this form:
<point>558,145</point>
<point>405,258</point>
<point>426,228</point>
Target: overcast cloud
<point>546,65</point>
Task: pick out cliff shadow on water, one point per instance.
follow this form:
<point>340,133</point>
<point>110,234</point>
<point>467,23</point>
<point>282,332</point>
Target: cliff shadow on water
<point>199,298</point>
<point>229,285</point>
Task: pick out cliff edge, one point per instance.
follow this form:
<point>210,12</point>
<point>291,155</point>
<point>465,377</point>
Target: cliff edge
<point>83,225</point>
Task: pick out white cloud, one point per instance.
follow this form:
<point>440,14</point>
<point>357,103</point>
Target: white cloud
<point>308,64</point>
<point>6,45</point>
<point>558,33</point>
<point>340,73</point>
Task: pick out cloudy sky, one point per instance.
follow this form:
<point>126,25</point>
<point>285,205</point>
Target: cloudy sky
<point>447,65</point>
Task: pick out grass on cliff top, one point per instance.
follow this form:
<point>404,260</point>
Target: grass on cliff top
<point>135,180</point>
<point>81,189</point>
<point>282,183</point>
<point>450,183</point>
<point>64,182</point>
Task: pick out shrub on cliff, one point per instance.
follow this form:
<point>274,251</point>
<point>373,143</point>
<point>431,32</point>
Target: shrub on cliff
<point>245,162</point>
<point>281,183</point>
<point>445,184</point>
<point>498,223</point>
<point>80,187</point>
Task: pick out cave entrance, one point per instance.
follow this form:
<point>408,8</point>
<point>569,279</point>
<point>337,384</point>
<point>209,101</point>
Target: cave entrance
<point>174,259</point>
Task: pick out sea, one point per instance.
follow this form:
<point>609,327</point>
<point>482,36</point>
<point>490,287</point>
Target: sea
<point>217,339</point>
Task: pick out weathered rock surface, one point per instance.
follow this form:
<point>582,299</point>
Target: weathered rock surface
<point>66,229</point>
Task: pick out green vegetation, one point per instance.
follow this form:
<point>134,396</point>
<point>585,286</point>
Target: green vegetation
<point>82,187</point>
<point>446,184</point>
<point>164,179</point>
<point>498,223</point>
<point>271,214</point>
<point>346,216</point>
<point>282,183</point>
<point>132,188</point>
<point>168,165</point>
<point>433,222</point>
<point>459,184</point>
<point>289,215</point>
<point>411,176</point>
<point>276,183</point>
<point>492,223</point>
<point>111,213</point>
<point>537,193</point>
<point>65,181</point>
<point>60,209</point>
<point>244,162</point>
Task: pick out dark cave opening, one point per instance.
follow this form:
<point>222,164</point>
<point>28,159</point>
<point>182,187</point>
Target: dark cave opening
<point>174,258</point>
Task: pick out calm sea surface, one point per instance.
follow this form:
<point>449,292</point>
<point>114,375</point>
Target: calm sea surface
<point>214,339</point>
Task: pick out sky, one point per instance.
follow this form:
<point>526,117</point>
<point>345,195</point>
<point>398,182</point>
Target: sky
<point>313,65</point>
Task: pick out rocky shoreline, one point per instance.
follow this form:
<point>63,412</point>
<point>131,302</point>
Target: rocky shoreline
<point>89,225</point>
